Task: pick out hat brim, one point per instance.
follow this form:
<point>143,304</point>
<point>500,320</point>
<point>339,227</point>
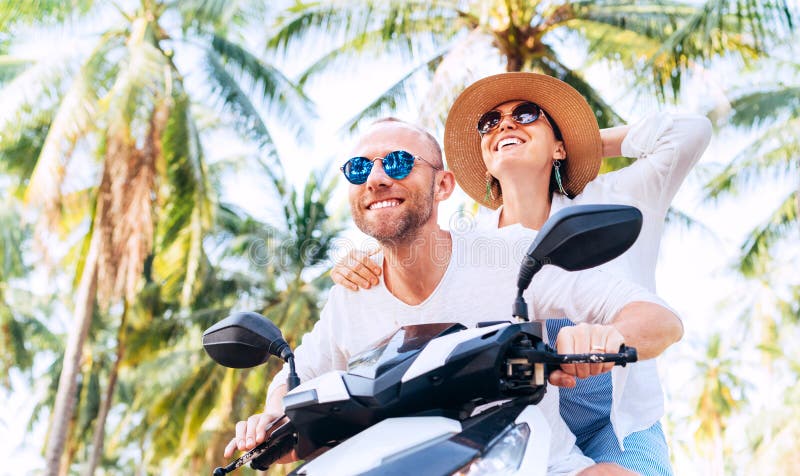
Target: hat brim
<point>560,101</point>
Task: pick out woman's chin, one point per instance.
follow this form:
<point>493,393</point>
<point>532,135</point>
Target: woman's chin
<point>509,165</point>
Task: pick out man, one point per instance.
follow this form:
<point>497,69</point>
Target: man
<point>430,275</point>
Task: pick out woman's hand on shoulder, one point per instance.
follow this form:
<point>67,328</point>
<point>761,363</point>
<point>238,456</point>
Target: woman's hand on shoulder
<point>356,271</point>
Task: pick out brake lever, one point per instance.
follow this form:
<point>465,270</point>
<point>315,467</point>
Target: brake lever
<point>259,450</point>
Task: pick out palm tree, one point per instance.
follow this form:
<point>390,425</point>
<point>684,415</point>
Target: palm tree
<point>452,41</point>
<point>24,330</point>
<point>719,397</point>
<point>774,111</point>
<point>126,104</point>
<point>190,403</point>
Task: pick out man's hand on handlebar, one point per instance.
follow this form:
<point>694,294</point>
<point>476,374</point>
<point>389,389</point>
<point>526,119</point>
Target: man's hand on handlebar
<point>583,339</point>
<point>256,430</point>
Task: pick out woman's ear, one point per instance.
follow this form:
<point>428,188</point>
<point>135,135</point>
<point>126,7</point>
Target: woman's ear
<point>559,152</point>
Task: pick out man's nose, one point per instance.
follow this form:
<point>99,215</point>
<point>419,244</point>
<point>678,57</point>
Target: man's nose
<point>377,176</point>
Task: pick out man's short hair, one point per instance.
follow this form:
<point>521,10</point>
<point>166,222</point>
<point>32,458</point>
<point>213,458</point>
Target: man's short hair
<point>437,160</point>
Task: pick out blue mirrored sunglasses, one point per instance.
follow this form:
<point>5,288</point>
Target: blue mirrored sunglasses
<point>397,165</point>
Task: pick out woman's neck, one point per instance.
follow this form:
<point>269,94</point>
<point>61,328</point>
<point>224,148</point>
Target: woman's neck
<point>527,204</point>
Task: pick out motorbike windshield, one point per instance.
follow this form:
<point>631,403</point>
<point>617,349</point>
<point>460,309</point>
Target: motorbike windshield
<point>397,347</point>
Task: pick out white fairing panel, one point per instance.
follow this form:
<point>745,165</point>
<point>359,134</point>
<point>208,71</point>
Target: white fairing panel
<point>435,354</point>
<point>389,438</point>
<point>534,463</point>
<point>329,386</point>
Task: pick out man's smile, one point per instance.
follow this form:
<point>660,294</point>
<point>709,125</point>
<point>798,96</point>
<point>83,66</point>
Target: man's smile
<point>387,203</point>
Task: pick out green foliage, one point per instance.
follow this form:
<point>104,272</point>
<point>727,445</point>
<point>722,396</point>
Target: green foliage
<point>14,12</point>
<point>756,250</point>
<point>774,111</point>
<point>658,42</point>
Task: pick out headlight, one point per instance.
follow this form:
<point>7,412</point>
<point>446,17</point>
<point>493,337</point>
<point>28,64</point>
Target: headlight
<point>503,456</point>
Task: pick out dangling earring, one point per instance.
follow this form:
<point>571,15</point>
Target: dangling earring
<point>557,172</point>
<point>489,191</point>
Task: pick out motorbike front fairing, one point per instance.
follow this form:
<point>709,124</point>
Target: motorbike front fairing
<point>423,370</point>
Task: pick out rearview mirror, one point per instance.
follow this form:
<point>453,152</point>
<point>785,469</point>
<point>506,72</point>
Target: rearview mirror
<point>243,340</point>
<point>581,237</point>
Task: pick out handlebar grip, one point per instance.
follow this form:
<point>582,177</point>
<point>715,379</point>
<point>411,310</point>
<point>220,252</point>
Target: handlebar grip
<point>279,447</point>
<point>631,355</point>
<point>623,357</point>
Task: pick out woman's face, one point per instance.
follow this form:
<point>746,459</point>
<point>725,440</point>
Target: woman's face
<point>512,148</point>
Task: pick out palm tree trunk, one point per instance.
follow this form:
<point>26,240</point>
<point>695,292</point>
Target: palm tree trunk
<point>105,406</point>
<point>67,383</point>
<point>69,451</point>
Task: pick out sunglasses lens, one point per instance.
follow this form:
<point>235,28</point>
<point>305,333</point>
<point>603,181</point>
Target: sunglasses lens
<point>357,169</point>
<point>398,164</point>
<point>488,121</point>
<point>526,113</point>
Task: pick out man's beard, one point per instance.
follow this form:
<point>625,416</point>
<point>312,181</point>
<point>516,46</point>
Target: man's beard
<point>402,230</point>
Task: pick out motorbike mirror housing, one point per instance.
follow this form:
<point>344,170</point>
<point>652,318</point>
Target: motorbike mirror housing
<point>581,237</point>
<point>243,340</point>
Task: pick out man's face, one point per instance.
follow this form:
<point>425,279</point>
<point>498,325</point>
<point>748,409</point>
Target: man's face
<point>389,210</point>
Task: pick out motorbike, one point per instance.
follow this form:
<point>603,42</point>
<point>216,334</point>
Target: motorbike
<point>438,399</point>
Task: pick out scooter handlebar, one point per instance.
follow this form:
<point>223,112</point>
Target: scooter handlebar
<point>623,357</point>
<point>279,444</point>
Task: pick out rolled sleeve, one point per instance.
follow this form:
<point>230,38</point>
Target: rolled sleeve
<point>591,296</point>
<point>666,147</point>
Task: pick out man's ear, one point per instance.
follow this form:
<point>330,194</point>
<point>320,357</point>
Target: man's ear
<point>445,183</point>
<point>559,153</point>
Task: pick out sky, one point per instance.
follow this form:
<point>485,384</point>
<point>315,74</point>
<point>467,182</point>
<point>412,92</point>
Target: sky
<point>693,271</point>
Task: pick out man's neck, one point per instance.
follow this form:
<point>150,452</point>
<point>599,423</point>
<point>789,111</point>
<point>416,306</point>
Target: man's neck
<point>525,204</point>
<point>413,269</point>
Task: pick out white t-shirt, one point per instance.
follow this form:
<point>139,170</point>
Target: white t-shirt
<point>478,285</point>
<point>667,147</point>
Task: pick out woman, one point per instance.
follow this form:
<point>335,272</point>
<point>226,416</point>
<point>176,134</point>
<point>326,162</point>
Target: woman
<point>536,150</point>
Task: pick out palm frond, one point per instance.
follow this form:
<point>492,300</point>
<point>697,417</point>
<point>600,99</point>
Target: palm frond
<point>139,82</point>
<point>755,252</point>
<point>389,99</point>
<point>353,19</point>
<point>282,96</point>
<point>43,11</point>
<point>676,216</point>
<point>374,44</point>
<point>766,105</point>
<point>662,40</point>
<point>246,117</point>
<point>217,15</point>
<point>12,66</point>
<point>41,83</point>
<point>187,207</point>
<point>720,27</point>
<point>606,116</point>
<point>772,155</point>
<point>73,119</point>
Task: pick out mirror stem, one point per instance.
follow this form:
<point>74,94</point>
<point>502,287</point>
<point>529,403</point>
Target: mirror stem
<point>292,380</point>
<point>530,266</point>
<point>520,308</point>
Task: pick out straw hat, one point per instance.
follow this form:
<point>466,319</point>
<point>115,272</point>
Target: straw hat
<point>560,101</point>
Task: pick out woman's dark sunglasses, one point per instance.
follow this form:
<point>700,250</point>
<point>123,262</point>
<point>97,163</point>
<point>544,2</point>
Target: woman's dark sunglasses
<point>524,113</point>
<point>396,164</point>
